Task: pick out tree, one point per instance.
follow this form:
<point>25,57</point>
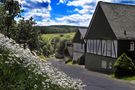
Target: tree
<point>11,10</point>
<point>1,17</point>
<point>27,35</point>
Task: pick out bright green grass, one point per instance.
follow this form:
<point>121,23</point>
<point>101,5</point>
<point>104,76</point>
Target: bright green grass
<point>129,78</point>
<point>49,37</point>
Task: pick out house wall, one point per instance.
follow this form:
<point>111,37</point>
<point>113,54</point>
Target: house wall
<point>78,50</point>
<point>124,46</point>
<point>78,47</point>
<point>103,63</point>
<point>99,63</point>
<point>77,55</point>
<point>101,55</point>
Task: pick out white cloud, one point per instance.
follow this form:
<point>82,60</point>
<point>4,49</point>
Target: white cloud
<point>43,13</point>
<point>84,2</point>
<point>35,12</point>
<point>76,19</point>
<point>20,1</point>
<point>40,1</point>
<point>82,18</point>
<point>61,1</point>
<point>87,6</point>
<point>83,9</point>
<point>84,14</point>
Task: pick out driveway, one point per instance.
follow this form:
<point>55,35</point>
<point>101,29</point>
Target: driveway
<point>93,80</point>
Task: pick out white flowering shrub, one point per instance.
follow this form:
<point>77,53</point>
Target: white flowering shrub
<point>21,70</point>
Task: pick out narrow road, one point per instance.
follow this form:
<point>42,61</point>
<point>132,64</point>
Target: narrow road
<point>93,80</point>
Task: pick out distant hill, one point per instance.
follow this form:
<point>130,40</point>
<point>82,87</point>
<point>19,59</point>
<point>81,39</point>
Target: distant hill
<point>57,29</point>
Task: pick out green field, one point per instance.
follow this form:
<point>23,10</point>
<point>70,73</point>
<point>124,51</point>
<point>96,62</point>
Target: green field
<point>49,37</point>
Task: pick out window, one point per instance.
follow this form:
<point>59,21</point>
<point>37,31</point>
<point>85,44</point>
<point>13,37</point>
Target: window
<point>131,46</point>
<point>104,64</point>
<point>91,46</point>
<point>99,47</point>
<point>110,65</point>
<point>81,46</point>
<point>103,47</point>
<point>88,46</point>
<point>114,48</point>
<point>94,46</point>
<point>109,47</point>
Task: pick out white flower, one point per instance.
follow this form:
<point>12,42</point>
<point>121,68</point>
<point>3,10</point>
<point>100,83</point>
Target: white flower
<point>43,68</point>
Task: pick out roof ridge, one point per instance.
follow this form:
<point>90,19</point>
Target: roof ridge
<point>124,4</point>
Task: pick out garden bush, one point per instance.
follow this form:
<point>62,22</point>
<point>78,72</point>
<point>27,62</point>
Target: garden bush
<point>124,66</point>
<point>81,60</point>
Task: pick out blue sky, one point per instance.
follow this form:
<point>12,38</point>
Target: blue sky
<point>62,12</point>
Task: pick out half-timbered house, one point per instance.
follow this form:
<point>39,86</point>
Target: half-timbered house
<point>111,32</point>
<point>79,46</point>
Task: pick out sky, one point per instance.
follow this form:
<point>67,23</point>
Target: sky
<point>63,12</point>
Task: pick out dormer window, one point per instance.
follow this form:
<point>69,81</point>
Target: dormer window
<point>131,46</point>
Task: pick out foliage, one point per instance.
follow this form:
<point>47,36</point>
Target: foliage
<point>61,48</point>
<point>15,76</point>
<point>1,17</point>
<point>23,31</point>
<point>69,61</point>
<point>53,43</point>
<point>47,49</point>
<point>129,78</point>
<point>21,70</point>
<point>56,29</point>
<point>27,35</point>
<point>124,66</point>
<point>11,9</point>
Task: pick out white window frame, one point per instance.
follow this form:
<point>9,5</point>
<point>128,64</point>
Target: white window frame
<point>132,46</point>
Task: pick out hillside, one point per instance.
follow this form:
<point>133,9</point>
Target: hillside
<point>57,29</point>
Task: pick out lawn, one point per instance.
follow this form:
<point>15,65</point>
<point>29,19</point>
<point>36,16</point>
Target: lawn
<point>129,78</point>
<point>49,37</point>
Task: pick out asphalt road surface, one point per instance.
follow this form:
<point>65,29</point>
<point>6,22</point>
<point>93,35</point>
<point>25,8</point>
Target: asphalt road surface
<point>93,80</point>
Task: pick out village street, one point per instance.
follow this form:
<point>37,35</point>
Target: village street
<point>93,80</point>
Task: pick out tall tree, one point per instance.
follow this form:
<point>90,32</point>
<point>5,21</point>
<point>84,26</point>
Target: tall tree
<point>12,9</point>
<point>27,35</point>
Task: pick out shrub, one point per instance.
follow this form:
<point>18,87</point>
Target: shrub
<point>124,66</point>
<point>68,61</point>
<point>59,56</point>
<point>60,49</point>
<point>15,76</point>
<point>81,60</point>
